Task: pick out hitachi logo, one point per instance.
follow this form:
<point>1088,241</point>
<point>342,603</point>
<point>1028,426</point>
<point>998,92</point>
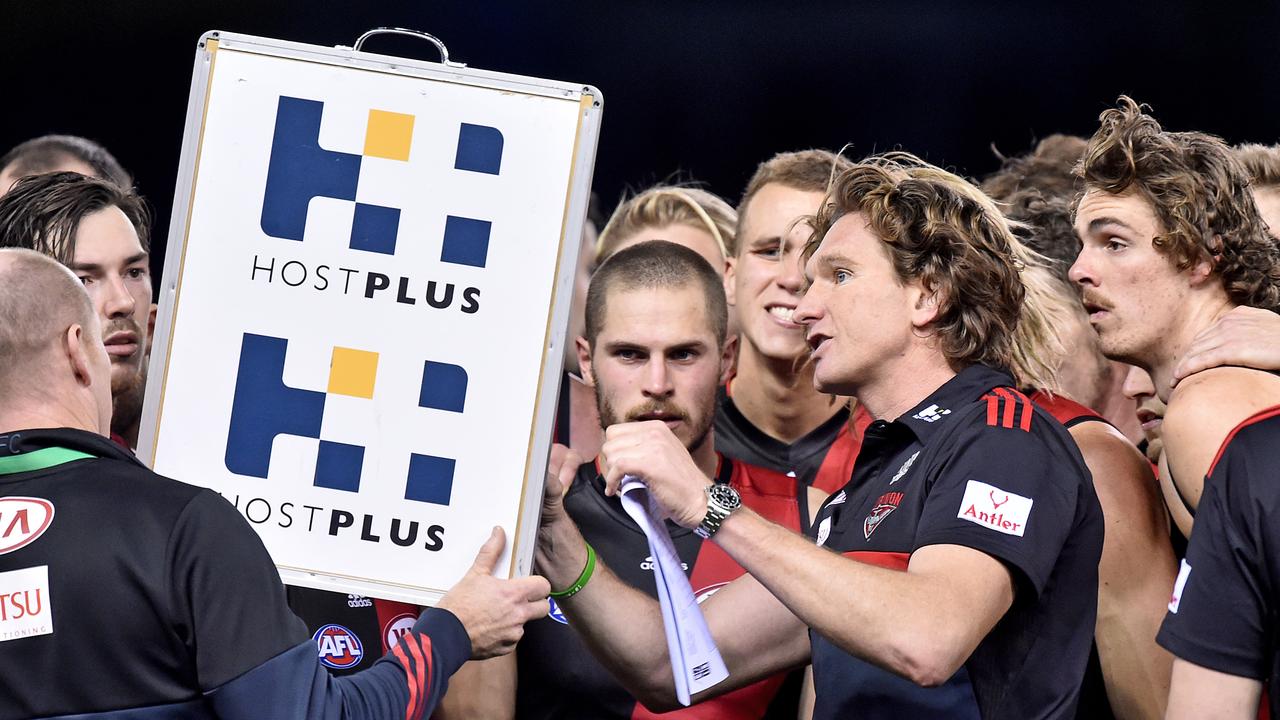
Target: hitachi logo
<point>994,520</point>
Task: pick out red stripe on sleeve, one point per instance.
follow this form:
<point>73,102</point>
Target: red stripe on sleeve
<point>1027,411</point>
<point>993,404</point>
<point>1010,408</point>
<point>398,651</point>
<point>891,560</point>
<point>425,677</point>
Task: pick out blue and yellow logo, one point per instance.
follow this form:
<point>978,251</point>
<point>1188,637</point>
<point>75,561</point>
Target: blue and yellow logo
<point>300,170</point>
<point>264,407</point>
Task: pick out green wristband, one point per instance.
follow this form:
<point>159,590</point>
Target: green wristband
<point>581,582</point>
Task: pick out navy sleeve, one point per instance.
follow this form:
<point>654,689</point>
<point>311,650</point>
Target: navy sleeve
<point>406,683</point>
<point>1009,492</point>
<point>1218,613</point>
<point>254,657</point>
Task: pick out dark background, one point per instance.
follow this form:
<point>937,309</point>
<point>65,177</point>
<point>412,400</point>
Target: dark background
<point>699,89</point>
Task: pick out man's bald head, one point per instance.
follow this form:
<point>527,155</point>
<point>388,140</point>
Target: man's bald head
<point>39,301</point>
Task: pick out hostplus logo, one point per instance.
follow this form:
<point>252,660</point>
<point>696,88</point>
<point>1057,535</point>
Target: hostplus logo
<point>300,170</point>
<point>264,407</point>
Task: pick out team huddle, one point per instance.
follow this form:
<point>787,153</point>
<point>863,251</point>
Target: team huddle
<point>929,448</point>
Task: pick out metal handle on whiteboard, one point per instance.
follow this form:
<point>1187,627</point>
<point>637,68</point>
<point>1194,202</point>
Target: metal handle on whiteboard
<point>444,51</point>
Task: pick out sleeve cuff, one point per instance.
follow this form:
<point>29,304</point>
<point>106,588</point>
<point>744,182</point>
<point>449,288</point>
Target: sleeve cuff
<point>449,638</point>
<point>1223,659</point>
<point>1022,566</point>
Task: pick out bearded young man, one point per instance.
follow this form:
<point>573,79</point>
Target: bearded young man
<point>654,349</point>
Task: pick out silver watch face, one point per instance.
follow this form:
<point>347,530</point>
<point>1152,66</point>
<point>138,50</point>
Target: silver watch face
<point>725,496</point>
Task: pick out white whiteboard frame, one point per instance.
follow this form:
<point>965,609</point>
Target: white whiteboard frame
<point>591,107</point>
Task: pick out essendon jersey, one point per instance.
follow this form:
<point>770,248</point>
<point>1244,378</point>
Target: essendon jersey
<point>823,458</point>
<point>1225,604</point>
<point>559,678</point>
<point>124,594</point>
<point>975,464</point>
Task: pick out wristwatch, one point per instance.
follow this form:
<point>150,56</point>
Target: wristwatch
<point>721,500</point>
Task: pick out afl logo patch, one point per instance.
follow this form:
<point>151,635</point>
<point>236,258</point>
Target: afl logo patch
<point>555,613</point>
<point>22,521</point>
<point>396,628</point>
<point>339,647</point>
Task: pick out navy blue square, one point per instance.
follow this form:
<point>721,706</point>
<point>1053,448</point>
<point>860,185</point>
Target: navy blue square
<point>479,149</point>
<point>466,241</point>
<point>338,466</point>
<point>430,479</point>
<point>444,387</point>
<point>374,228</point>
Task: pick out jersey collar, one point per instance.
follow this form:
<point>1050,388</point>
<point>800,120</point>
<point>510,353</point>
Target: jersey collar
<point>25,444</point>
<point>968,386</point>
<point>816,441</point>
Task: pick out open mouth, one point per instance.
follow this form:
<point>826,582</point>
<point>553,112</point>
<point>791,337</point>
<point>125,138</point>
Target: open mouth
<point>783,314</point>
<point>1095,308</point>
<point>1149,418</point>
<point>815,341</point>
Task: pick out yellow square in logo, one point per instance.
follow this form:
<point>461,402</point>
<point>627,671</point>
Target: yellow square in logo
<point>389,135</point>
<point>352,372</point>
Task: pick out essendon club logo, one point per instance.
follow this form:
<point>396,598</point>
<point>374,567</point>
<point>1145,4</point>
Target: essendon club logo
<point>887,503</point>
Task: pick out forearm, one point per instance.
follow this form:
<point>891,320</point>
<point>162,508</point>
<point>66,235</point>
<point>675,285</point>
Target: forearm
<point>1135,669</point>
<point>481,690</point>
<point>886,617</point>
<point>405,683</point>
<point>621,625</point>
<point>1135,574</point>
<point>1198,693</point>
<point>1133,590</point>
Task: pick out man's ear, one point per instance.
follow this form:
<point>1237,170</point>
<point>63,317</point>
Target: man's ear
<point>151,326</point>
<point>927,303</point>
<point>77,358</point>
<point>728,358</point>
<point>1203,268</point>
<point>730,280</point>
<point>584,361</point>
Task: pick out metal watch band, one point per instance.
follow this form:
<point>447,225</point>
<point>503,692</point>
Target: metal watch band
<point>716,513</point>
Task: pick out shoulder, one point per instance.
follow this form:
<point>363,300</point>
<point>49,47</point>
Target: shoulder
<point>1005,433</point>
<point>1062,408</point>
<point>142,490</point>
<point>1118,469</point>
<point>1007,417</point>
<point>1205,408</point>
<point>1221,395</point>
<point>1102,441</point>
<point>1256,440</point>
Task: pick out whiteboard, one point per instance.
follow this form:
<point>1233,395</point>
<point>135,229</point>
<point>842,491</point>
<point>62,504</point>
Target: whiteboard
<point>363,303</point>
